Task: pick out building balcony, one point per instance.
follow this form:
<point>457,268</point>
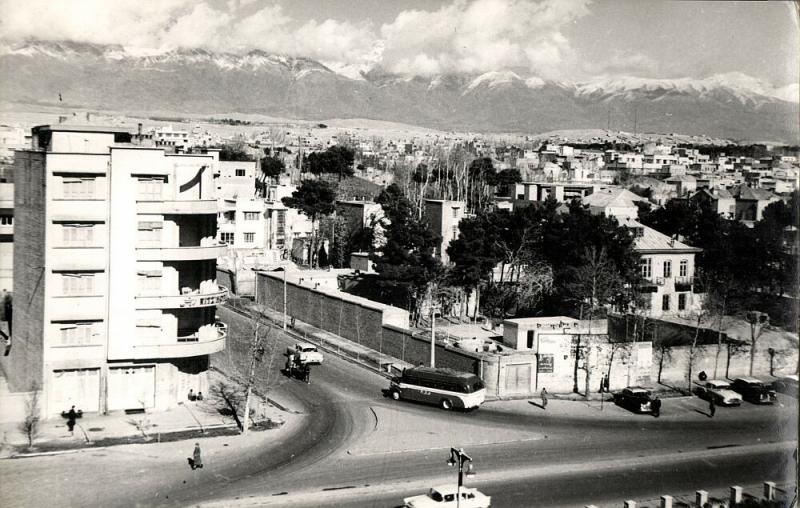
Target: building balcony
<point>183,301</point>
<point>683,283</point>
<point>648,286</point>
<point>78,209</point>
<point>72,308</point>
<point>208,340</point>
<point>180,207</point>
<point>212,250</point>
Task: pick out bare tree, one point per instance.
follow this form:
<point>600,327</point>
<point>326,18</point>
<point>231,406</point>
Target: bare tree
<point>263,348</point>
<point>699,316</point>
<point>30,425</point>
<point>758,322</point>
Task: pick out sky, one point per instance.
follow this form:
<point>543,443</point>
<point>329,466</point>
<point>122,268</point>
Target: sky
<point>568,40</point>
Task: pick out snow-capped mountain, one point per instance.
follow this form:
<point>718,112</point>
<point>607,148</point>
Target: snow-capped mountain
<point>730,105</point>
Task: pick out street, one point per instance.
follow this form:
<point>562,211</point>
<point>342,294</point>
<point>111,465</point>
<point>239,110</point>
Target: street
<point>368,450</point>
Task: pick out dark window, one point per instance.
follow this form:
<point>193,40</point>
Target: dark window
<point>530,339</point>
<point>681,301</point>
<point>665,302</point>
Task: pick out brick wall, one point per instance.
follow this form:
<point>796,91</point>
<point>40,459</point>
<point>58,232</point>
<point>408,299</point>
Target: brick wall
<point>24,365</point>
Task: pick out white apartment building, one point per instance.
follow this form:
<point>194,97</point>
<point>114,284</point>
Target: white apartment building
<point>115,272</point>
<point>6,237</point>
<point>444,217</point>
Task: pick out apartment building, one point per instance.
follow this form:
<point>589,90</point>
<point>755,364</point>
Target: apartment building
<point>6,237</point>
<point>114,272</point>
<point>444,217</point>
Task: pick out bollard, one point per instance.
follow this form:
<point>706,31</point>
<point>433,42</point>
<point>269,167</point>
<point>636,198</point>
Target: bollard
<point>769,491</point>
<point>666,501</point>
<point>701,498</point>
<point>629,504</point>
<point>736,494</point>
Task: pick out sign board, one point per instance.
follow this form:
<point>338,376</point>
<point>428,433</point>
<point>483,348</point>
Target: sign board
<point>545,364</point>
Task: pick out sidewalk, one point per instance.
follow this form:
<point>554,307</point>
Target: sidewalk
<point>189,420</point>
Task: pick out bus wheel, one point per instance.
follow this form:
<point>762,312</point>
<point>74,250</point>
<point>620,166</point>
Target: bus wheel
<point>446,404</point>
<point>395,395</point>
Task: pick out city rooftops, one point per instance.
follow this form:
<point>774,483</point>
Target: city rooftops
<point>102,129</point>
<point>650,241</point>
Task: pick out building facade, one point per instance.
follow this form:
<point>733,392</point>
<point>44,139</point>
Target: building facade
<point>115,271</point>
<point>444,217</point>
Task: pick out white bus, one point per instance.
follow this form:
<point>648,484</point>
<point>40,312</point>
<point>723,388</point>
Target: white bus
<point>446,388</point>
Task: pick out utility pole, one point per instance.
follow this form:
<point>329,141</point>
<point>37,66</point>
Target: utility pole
<point>433,336</point>
<point>284,298</point>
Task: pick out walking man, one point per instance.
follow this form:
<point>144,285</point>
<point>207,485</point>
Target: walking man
<point>197,459</point>
<point>544,398</point>
<point>602,382</point>
<point>71,416</point>
<point>656,405</point>
<point>712,407</point>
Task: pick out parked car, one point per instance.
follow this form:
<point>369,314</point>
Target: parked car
<point>787,385</point>
<point>753,390</point>
<point>720,391</point>
<point>635,398</point>
<point>308,353</point>
<point>445,496</point>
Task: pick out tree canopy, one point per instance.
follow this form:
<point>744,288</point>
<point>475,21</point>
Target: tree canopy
<point>336,160</point>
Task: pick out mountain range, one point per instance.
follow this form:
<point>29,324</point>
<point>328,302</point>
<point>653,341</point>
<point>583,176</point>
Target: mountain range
<point>734,105</point>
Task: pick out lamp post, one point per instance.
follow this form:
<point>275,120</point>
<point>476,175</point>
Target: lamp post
<point>771,352</point>
<point>459,458</point>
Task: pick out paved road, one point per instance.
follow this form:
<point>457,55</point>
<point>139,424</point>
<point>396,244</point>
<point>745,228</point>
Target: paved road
<point>340,404</point>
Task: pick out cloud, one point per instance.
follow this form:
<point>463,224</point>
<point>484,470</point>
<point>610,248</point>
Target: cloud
<point>623,62</point>
<point>463,36</point>
<point>482,35</point>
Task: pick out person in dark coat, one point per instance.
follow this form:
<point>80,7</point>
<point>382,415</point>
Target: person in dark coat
<point>712,407</point>
<point>602,383</point>
<point>71,416</point>
<point>544,398</point>
<point>197,459</point>
<point>656,405</point>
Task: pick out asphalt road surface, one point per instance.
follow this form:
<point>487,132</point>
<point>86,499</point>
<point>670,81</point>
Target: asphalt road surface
<point>582,460</point>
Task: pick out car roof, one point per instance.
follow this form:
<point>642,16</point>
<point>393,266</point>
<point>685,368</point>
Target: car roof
<point>305,345</point>
<point>446,489</point>
<point>719,381</point>
<point>791,376</point>
<point>749,380</point>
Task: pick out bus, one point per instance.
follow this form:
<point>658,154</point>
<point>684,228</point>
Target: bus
<point>446,388</point>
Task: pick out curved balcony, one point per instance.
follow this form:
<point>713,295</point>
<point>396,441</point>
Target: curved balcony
<point>205,342</point>
<point>194,253</point>
<point>187,207</point>
<point>185,301</point>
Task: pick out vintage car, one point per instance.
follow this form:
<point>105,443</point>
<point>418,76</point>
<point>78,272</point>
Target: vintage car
<point>753,390</point>
<point>308,353</point>
<point>634,398</point>
<point>718,390</point>
<point>786,385</point>
<point>446,496</point>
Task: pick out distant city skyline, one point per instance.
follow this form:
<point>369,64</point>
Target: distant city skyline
<point>552,39</point>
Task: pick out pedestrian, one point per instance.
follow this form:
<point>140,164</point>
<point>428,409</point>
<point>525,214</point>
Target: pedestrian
<point>712,407</point>
<point>197,459</point>
<point>199,395</point>
<point>191,395</point>
<point>656,405</point>
<point>292,321</point>
<point>71,416</point>
<point>602,383</point>
<point>605,384</point>
<point>544,398</point>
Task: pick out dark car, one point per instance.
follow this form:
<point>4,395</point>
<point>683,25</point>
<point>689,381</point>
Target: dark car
<point>787,385</point>
<point>635,398</point>
<point>753,390</point>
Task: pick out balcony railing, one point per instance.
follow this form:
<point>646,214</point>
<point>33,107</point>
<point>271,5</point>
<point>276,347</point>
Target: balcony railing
<point>211,250</point>
<point>648,286</point>
<point>684,283</point>
<point>206,341</point>
<point>183,301</point>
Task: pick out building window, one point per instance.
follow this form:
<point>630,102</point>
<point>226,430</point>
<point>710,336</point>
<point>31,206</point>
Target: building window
<point>150,188</point>
<point>149,233</point>
<point>455,212</point>
<point>684,268</point>
<point>646,267</point>
<point>250,215</point>
<point>239,172</point>
<point>226,237</point>
<point>455,232</point>
<point>76,333</point>
<point>665,303</point>
<point>682,301</point>
<point>79,234</point>
<point>77,284</point>
<point>667,269</point>
<point>78,187</point>
<point>149,282</point>
<point>6,220</point>
<point>280,230</point>
<point>249,237</point>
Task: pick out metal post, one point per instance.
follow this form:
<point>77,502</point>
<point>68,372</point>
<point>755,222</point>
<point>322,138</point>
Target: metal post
<point>433,337</point>
<point>284,298</point>
<point>736,495</point>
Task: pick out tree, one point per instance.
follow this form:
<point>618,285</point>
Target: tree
<point>260,346</point>
<point>236,151</point>
<point>505,180</point>
<point>272,166</point>
<point>314,198</point>
<point>336,160</point>
<point>407,260</point>
<point>758,322</point>
<point>30,425</point>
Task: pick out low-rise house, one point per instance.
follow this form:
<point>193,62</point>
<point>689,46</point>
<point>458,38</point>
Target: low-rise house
<point>750,202</point>
<point>720,200</point>
<point>615,202</point>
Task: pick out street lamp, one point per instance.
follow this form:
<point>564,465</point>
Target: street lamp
<point>459,458</point>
